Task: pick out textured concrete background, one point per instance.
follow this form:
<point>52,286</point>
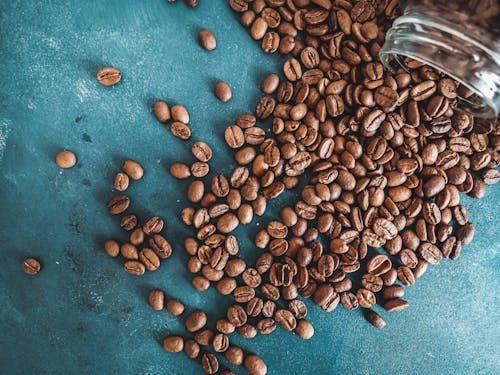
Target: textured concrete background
<point>83,313</point>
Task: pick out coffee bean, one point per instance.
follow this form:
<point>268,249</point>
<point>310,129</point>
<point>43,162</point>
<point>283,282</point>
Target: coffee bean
<point>405,275</point>
<point>304,329</point>
<point>255,365</point>
<point>149,259</point>
<point>137,237</point>
<point>266,326</point>
<point>234,136</point>
<point>156,299</point>
<point>430,253</point>
<point>118,204</point>
<point>378,265</point>
<point>264,108</point>
<point>465,233</point>
<point>207,40</point>
<point>161,111</point>
<point>31,266</point>
<point>326,297</point>
<point>173,344</point>
<point>195,191</point>
<point>285,319</point>
<point>247,331</point>
<point>134,267</point>
<point>109,76</point>
<point>236,315</point>
<point>223,91</point>
<point>227,223</point>
<point>234,355</point>
<point>201,151</point>
<point>66,159</point>
<point>160,246</point>
<point>349,300</point>
<point>209,363</point>
<point>195,321</point>
<point>128,222</point>
<point>270,84</point>
<point>396,304</point>
<point>371,282</point>
<point>386,97</point>
<point>112,248</point>
<point>220,343</point>
<point>192,349</point>
<point>200,283</point>
<point>180,171</point>
<point>175,307</point>
<point>423,90</point>
<point>374,319</point>
<point>180,130</point>
<point>292,70</point>
<point>180,114</point>
<point>121,181</point>
<point>129,251</point>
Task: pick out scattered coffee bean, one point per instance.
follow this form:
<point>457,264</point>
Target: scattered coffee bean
<point>112,248</point>
<point>66,159</point>
<point>179,113</point>
<point>161,111</point>
<point>234,355</point>
<point>192,349</point>
<point>133,169</point>
<point>118,204</point>
<point>134,267</point>
<point>175,307</point>
<point>121,181</point>
<point>156,299</point>
<point>374,319</point>
<point>109,76</point>
<point>195,321</point>
<point>209,363</point>
<point>304,329</point>
<point>31,266</point>
<point>223,91</point>
<point>255,365</point>
<point>128,222</point>
<point>173,344</point>
<point>207,40</point>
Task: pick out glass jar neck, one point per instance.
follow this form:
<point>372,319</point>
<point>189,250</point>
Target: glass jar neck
<point>440,43</point>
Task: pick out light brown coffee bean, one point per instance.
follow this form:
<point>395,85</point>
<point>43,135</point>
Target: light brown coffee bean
<point>118,204</point>
<point>207,40</point>
<point>396,304</point>
<point>179,113</point>
<point>202,151</point>
<point>112,248</point>
<point>234,136</point>
<point>180,170</point>
<point>173,344</point>
<point>133,169</point>
<point>134,267</point>
<point>195,191</point>
<point>129,251</point>
<point>156,299</point>
<point>375,319</point>
<point>128,222</point>
<point>109,76</point>
<point>195,321</point>
<point>209,363</point>
<point>153,226</point>
<point>227,223</point>
<point>223,91</point>
<point>121,182</point>
<point>66,159</point>
<point>31,266</point>
<point>175,307</point>
<point>149,259</point>
<point>180,130</point>
<point>161,111</point>
<point>192,349</point>
<point>255,365</point>
<point>304,329</point>
<point>270,84</point>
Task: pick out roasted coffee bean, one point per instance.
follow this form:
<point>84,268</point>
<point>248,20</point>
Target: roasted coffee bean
<point>405,275</point>
<point>234,136</point>
<point>226,285</point>
<point>236,315</point>
<point>31,266</point>
<point>128,222</point>
<point>378,265</point>
<point>201,151</point>
<point>173,344</point>
<point>223,92</point>
<point>265,108</point>
<point>180,171</point>
<point>297,308</point>
<point>204,337</point>
<point>195,191</point>
<point>175,307</point>
<point>160,246</point>
<point>371,282</point>
<point>192,349</point>
<point>247,331</point>
<point>395,304</point>
<point>374,319</point>
<point>129,251</point>
<point>255,365</point>
<point>161,111</point>
<point>121,181</point>
<point>304,329</point>
<point>200,169</point>
<point>137,237</point>
<point>220,343</point>
<point>150,260</point>
<point>209,363</point>
<point>266,326</point>
<point>109,76</point>
<point>365,298</point>
<point>326,297</point>
<point>292,70</point>
<point>349,300</point>
<point>465,233</point>
<point>153,226</point>
<point>430,253</point>
<point>156,299</point>
<point>270,84</point>
<point>195,321</point>
<point>207,40</point>
<point>243,294</point>
<point>134,267</point>
<point>118,204</point>
<point>112,248</point>
<point>234,355</point>
<point>133,169</point>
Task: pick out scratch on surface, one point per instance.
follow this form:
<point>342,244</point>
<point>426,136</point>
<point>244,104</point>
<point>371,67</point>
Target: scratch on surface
<point>4,134</point>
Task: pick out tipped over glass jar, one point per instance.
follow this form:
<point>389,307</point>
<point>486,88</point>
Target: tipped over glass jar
<point>460,38</point>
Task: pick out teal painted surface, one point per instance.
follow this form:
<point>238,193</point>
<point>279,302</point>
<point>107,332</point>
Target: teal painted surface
<point>83,313</point>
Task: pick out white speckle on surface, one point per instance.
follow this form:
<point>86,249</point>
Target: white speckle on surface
<point>52,42</point>
<point>83,91</point>
<point>4,134</point>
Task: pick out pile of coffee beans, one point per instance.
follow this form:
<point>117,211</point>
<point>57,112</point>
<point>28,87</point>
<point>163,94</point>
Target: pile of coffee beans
<point>146,246</point>
<point>204,339</point>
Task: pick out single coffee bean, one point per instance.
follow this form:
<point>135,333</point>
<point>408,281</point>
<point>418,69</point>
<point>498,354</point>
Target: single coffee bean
<point>223,91</point>
<point>292,70</point>
<point>405,275</point>
<point>175,307</point>
<point>161,111</point>
<point>326,297</point>
<point>129,251</point>
<point>423,90</point>
<point>134,267</point>
<point>220,343</point>
<point>173,344</point>
<point>386,97</point>
<point>180,130</point>
<point>430,253</point>
<point>465,233</point>
<point>374,319</point>
<point>255,365</point>
<point>234,136</point>
<point>192,349</point>
<point>160,246</point>
<point>180,170</point>
<point>200,283</point>
<point>31,266</point>
<point>365,298</point>
<point>156,299</point>
<point>393,291</point>
<point>128,222</point>
<point>118,204</point>
<point>285,319</point>
<point>202,151</point>
<point>204,337</point>
<point>133,169</point>
<point>66,159</point>
<point>207,40</point>
<point>236,315</point>
<point>180,114</point>
<point>227,223</point>
<point>121,181</point>
<point>209,363</point>
<point>234,355</point>
<point>304,329</point>
<point>195,321</point>
<point>270,84</point>
<point>349,300</point>
<point>266,326</point>
<point>112,248</point>
<point>247,331</point>
<point>109,76</point>
<point>396,304</point>
<point>137,237</point>
<point>149,259</point>
<point>153,226</point>
<point>224,326</point>
<point>378,265</point>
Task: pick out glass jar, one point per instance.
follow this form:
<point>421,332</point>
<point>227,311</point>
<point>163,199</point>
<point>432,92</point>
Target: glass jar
<point>460,38</point>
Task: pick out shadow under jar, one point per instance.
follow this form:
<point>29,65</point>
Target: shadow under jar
<point>460,38</point>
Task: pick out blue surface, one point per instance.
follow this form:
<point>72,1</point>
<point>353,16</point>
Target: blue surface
<point>83,313</point>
